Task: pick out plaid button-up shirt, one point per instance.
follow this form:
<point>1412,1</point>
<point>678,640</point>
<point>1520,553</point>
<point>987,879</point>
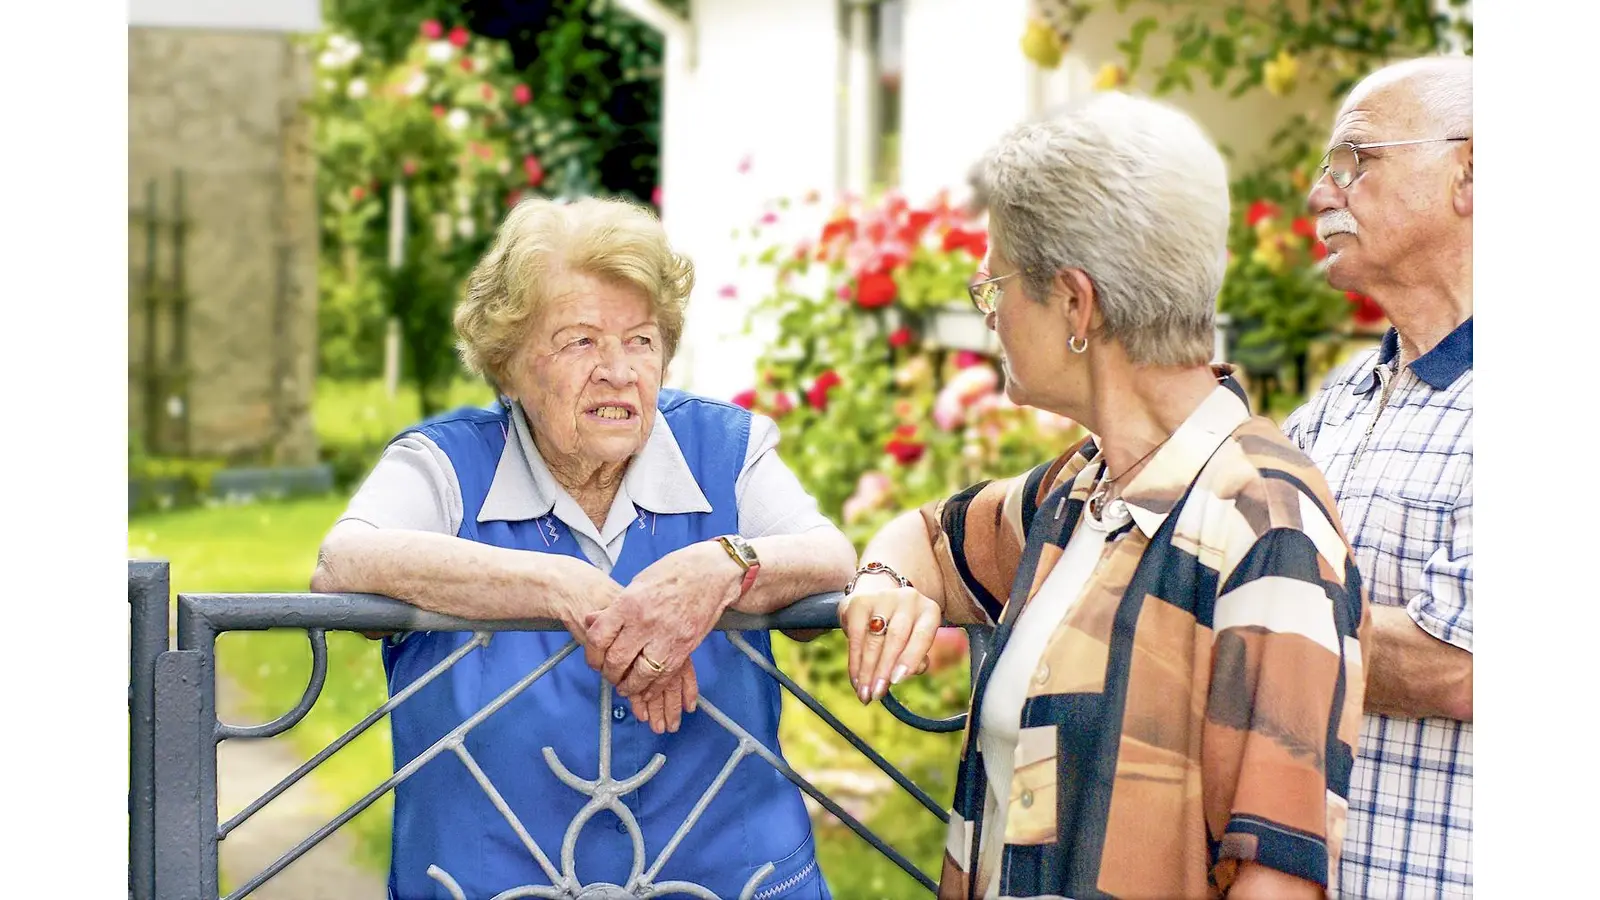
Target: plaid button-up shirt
<point>1396,446</point>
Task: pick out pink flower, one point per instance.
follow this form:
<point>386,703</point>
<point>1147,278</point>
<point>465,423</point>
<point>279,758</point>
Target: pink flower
<point>966,359</point>
<point>963,390</point>
<point>655,195</point>
<point>409,167</point>
<point>745,398</point>
<point>900,337</point>
<point>872,492</point>
<point>843,292</point>
<point>534,171</point>
<point>432,30</point>
<point>459,36</point>
<point>728,292</point>
<point>769,218</point>
<point>522,94</point>
<point>488,92</point>
<point>744,164</point>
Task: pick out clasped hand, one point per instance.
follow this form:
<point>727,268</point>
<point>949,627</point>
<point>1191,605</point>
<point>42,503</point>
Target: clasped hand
<point>661,617</point>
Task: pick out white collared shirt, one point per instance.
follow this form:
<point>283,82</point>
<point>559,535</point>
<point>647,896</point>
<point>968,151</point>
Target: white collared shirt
<point>413,486</point>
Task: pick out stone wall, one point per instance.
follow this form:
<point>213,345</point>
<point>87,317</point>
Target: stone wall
<point>225,109</point>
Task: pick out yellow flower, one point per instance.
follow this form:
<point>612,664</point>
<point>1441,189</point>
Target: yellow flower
<point>1279,73</point>
<point>1042,45</point>
<point>1110,77</point>
<point>1269,255</point>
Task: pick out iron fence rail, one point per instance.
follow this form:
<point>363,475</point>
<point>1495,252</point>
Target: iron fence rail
<point>174,830</point>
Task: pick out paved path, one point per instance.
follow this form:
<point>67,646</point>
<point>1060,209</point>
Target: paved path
<point>246,769</point>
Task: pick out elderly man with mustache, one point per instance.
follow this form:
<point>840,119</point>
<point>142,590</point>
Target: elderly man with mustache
<point>1392,431</point>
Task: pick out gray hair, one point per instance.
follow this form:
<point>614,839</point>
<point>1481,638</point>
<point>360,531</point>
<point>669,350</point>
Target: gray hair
<point>1131,191</point>
<point>1441,85</point>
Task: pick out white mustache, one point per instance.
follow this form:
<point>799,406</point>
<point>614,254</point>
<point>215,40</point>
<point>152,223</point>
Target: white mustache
<point>1338,221</point>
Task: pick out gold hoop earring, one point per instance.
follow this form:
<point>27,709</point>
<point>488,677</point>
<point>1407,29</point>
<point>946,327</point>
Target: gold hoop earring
<point>1073,344</point>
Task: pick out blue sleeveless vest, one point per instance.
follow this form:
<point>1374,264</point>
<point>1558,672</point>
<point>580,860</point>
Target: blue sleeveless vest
<point>443,817</point>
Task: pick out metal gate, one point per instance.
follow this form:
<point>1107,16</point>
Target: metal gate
<point>174,828</point>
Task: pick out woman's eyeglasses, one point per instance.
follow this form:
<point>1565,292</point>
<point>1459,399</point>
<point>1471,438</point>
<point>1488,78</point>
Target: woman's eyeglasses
<point>985,292</point>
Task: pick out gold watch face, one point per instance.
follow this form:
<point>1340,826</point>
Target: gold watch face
<point>742,551</point>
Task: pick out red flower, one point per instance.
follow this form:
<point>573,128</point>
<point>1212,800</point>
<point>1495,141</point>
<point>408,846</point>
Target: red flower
<point>782,405</point>
<point>875,289</point>
<point>358,193</point>
<point>466,64</point>
<point>488,92</point>
<point>965,359</point>
<point>974,242</point>
<point>904,447</point>
<point>900,337</point>
<point>1319,250</point>
<point>530,165</point>
<point>1364,309</point>
<point>513,198</point>
<point>888,262</point>
<point>438,111</point>
<point>918,221</point>
<point>459,36</point>
<point>745,398</point>
<point>845,228</point>
<point>817,397</point>
<point>1305,228</point>
<point>1261,209</point>
<point>655,195</point>
<point>432,30</point>
<point>522,94</point>
<point>409,167</point>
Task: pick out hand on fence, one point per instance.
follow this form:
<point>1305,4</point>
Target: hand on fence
<point>584,591</point>
<point>890,631</point>
<point>664,704</point>
<point>661,616</point>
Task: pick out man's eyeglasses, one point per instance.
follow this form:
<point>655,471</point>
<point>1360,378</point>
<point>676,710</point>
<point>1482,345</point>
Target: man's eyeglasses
<point>1342,162</point>
<point>985,292</point>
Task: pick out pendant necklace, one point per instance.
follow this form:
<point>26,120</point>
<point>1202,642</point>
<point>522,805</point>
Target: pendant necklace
<point>1102,488</point>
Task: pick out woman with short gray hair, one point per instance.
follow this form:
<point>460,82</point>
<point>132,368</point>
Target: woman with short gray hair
<point>1175,684</point>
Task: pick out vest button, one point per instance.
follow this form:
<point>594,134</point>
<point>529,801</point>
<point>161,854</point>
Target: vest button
<point>618,713</point>
<point>1027,798</point>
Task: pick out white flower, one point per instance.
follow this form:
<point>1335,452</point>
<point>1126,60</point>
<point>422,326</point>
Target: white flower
<point>415,85</point>
<point>457,119</point>
<point>441,51</point>
<point>358,88</point>
<point>340,52</point>
<point>503,166</point>
<point>466,227</point>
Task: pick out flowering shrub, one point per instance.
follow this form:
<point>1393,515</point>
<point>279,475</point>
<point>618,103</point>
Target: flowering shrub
<point>876,415</point>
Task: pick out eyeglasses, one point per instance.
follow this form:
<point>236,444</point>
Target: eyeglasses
<point>985,293</point>
<point>1342,162</point>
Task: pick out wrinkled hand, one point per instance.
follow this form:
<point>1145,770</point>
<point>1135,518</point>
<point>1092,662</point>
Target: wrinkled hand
<point>880,660</point>
<point>584,592</point>
<point>664,613</point>
<point>663,705</point>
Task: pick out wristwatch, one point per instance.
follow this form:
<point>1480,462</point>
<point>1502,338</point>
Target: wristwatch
<point>745,556</point>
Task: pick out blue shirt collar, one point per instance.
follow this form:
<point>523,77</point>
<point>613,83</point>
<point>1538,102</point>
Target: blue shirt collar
<point>1438,368</point>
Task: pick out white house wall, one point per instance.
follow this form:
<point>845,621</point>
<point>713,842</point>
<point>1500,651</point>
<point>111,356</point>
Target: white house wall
<point>763,95</point>
<point>964,81</point>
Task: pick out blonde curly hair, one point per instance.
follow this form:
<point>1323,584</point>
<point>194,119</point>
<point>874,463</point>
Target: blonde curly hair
<point>538,247</point>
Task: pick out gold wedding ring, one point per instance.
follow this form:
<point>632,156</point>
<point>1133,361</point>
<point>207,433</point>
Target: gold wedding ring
<point>655,667</point>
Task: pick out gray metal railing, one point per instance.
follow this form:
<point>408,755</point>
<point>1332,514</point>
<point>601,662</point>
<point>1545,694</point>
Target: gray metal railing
<point>174,830</point>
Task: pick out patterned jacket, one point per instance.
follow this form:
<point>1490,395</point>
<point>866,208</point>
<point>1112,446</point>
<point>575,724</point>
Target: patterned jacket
<point>1199,704</point>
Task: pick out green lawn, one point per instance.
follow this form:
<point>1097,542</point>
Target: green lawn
<point>272,547</point>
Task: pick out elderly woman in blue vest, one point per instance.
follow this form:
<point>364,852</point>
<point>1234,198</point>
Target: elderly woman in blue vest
<point>634,515</point>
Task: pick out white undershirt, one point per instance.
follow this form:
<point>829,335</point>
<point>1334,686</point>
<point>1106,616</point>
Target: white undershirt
<point>1007,689</point>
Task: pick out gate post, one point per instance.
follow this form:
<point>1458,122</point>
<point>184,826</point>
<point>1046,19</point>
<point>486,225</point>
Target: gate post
<point>149,598</point>
<point>197,639</point>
